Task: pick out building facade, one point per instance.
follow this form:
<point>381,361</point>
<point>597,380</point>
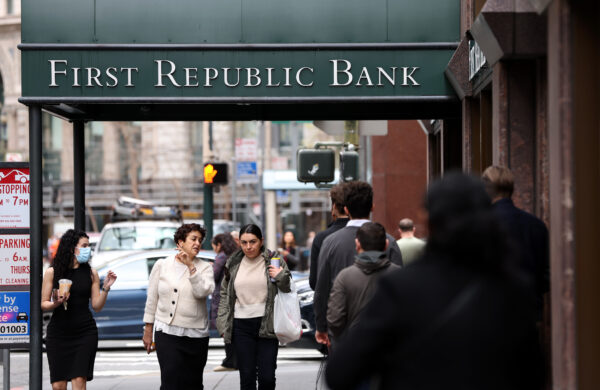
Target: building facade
<point>526,72</point>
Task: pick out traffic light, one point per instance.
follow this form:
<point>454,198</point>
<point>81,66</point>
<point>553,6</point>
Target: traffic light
<point>315,165</point>
<point>349,165</point>
<point>215,173</point>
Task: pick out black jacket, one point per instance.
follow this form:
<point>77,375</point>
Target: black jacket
<point>316,248</point>
<point>529,241</point>
<point>489,342</point>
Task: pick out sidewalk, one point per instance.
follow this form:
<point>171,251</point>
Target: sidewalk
<point>289,378</point>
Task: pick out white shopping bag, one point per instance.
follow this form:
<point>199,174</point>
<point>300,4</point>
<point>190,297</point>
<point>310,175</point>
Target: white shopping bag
<point>286,317</point>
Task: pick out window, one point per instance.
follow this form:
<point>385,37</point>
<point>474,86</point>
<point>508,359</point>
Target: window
<point>137,238</point>
<point>131,274</point>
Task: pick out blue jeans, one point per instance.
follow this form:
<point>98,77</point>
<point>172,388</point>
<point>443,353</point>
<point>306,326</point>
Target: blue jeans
<point>256,356</point>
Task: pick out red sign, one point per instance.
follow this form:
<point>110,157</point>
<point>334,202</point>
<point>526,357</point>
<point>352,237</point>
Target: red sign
<point>14,260</point>
<point>14,198</point>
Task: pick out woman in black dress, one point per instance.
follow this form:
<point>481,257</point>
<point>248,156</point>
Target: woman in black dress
<point>72,337</point>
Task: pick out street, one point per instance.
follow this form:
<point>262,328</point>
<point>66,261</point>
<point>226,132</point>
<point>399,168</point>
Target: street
<point>123,365</point>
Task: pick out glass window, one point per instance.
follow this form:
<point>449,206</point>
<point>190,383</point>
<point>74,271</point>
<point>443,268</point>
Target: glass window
<point>134,271</point>
<point>137,238</point>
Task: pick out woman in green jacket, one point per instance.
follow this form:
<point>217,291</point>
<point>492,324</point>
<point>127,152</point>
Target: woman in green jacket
<point>245,316</point>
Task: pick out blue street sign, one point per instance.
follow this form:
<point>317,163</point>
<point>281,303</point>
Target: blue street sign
<point>14,317</point>
<point>247,171</point>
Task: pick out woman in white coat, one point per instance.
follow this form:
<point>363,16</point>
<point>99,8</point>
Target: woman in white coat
<point>176,311</point>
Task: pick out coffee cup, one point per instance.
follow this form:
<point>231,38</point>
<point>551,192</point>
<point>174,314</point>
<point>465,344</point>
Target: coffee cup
<point>64,286</point>
<point>275,262</point>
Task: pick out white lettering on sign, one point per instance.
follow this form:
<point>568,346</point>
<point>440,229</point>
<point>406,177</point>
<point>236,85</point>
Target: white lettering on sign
<point>14,198</point>
<point>168,74</point>
<point>94,77</point>
<point>477,60</point>
<point>343,76</point>
<point>14,260</point>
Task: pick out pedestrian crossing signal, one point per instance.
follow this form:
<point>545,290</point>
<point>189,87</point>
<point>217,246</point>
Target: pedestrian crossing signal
<point>215,173</point>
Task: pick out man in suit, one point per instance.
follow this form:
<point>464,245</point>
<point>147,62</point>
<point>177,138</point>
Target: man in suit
<point>528,234</point>
<point>340,219</point>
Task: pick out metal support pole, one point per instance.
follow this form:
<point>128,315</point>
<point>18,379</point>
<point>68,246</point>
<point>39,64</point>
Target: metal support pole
<point>208,214</point>
<point>6,369</point>
<point>35,229</point>
<point>79,175</point>
<point>208,205</point>
<point>259,185</point>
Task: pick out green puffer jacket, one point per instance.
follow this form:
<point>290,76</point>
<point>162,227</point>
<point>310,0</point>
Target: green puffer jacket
<point>228,296</point>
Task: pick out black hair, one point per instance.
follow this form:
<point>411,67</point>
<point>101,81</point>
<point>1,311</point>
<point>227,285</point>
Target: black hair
<point>185,229</point>
<point>336,194</point>
<point>371,236</point>
<point>462,225</point>
<point>358,198</point>
<point>251,229</point>
<point>228,245</point>
<point>63,261</point>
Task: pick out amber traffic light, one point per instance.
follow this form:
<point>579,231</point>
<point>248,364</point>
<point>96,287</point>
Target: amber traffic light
<point>215,173</point>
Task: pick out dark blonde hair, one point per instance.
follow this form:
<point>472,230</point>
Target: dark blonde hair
<point>499,181</point>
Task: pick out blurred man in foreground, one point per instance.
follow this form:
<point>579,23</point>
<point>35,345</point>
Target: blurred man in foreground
<point>459,318</point>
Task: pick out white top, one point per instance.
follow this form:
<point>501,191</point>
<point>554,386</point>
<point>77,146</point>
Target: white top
<point>179,331</point>
<point>357,222</point>
<point>177,299</point>
<point>251,288</point>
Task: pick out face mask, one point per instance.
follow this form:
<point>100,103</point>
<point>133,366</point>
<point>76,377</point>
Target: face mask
<point>84,255</point>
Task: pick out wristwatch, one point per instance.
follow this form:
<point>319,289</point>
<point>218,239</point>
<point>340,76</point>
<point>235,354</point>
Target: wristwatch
<point>105,289</point>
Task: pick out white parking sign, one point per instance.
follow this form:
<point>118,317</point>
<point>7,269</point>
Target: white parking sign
<point>14,198</point>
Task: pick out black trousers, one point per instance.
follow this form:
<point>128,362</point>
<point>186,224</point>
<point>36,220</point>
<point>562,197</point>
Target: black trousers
<point>256,356</point>
<point>230,360</point>
<point>181,360</point>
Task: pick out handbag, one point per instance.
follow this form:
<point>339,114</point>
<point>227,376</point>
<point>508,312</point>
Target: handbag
<point>286,315</point>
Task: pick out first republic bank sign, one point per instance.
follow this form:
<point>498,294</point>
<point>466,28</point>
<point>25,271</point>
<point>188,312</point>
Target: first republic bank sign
<point>166,73</point>
<point>229,75</point>
<point>236,50</point>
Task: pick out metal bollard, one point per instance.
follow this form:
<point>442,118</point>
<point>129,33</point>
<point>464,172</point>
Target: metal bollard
<point>5,369</point>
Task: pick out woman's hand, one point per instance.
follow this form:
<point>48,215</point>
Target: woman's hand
<point>274,271</point>
<point>56,300</point>
<point>184,258</point>
<point>147,338</point>
<point>110,278</point>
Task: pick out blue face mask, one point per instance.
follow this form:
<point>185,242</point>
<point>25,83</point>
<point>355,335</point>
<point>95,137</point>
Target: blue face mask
<point>84,255</point>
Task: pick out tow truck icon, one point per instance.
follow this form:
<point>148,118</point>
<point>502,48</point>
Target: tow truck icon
<point>19,176</point>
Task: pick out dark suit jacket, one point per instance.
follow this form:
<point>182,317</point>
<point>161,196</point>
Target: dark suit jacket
<point>316,248</point>
<point>529,242</point>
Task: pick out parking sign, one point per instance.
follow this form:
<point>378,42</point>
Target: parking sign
<point>14,317</point>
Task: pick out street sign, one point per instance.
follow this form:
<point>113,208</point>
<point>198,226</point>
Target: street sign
<point>14,260</point>
<point>14,317</point>
<point>246,172</point>
<point>246,149</point>
<point>14,197</point>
